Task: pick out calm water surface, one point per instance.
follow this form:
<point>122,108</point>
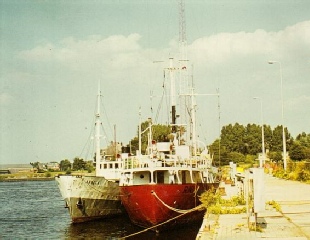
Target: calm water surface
<point>35,210</point>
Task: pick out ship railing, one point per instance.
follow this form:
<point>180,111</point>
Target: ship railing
<point>148,162</point>
<point>145,161</point>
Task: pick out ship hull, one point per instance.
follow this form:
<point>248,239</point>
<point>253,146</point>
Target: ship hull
<point>163,206</point>
<point>89,198</point>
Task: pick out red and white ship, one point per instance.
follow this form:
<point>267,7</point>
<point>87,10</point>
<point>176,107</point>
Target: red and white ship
<point>161,189</point>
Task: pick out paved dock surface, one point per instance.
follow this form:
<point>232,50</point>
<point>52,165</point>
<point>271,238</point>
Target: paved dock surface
<point>293,222</point>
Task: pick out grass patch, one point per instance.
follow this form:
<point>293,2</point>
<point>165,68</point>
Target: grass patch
<point>215,204</point>
<point>275,205</point>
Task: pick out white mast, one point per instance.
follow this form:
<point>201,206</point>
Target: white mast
<point>172,95</point>
<point>182,32</point>
<point>97,134</point>
<point>193,117</point>
<point>183,72</point>
<point>140,144</point>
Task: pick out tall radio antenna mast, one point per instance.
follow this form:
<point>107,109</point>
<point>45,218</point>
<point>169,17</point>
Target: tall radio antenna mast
<point>185,88</point>
<point>182,30</point>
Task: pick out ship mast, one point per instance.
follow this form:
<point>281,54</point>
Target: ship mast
<point>97,134</point>
<point>172,96</point>
<point>182,32</point>
<point>186,88</point>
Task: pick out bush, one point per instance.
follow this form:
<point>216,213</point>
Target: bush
<point>215,204</point>
<point>295,171</point>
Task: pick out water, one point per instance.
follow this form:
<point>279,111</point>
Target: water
<point>35,210</point>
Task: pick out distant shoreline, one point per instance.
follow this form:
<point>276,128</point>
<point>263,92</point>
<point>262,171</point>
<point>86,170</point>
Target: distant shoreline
<point>26,179</point>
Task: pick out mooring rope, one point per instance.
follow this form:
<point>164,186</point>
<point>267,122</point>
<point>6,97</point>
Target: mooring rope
<point>171,208</point>
<point>169,220</point>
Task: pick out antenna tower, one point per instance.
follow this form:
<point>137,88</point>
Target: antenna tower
<point>185,88</point>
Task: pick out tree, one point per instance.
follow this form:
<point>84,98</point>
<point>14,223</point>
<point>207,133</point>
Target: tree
<point>267,136</point>
<point>297,152</point>
<point>300,148</point>
<point>65,165</point>
<point>89,166</point>
<point>214,151</point>
<point>275,156</point>
<point>248,141</point>
<point>233,137</point>
<point>253,139</point>
<point>39,166</point>
<point>35,165</point>
<point>277,139</point>
<point>79,164</point>
<point>160,133</point>
<point>304,139</point>
<point>236,157</point>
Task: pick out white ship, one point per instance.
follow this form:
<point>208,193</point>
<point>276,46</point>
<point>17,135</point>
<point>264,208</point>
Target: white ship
<point>94,197</point>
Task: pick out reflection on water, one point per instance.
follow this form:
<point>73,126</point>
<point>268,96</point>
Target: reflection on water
<point>35,210</point>
<point>121,227</point>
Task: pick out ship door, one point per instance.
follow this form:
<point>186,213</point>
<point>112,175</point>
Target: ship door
<point>160,177</point>
<point>183,177</point>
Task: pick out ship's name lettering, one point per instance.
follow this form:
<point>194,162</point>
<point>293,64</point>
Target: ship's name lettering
<point>92,182</point>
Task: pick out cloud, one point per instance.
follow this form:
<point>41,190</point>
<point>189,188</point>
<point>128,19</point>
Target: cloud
<point>117,56</point>
<point>224,47</point>
<point>70,50</point>
<point>126,53</point>
<point>233,57</point>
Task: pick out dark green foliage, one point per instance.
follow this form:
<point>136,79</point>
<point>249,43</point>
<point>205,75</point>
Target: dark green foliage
<point>237,141</point>
<point>236,157</point>
<point>240,143</point>
<point>275,156</point>
<point>79,164</point>
<point>301,147</point>
<point>35,165</point>
<point>304,139</point>
<point>160,133</point>
<point>298,152</point>
<point>89,166</point>
<point>65,165</point>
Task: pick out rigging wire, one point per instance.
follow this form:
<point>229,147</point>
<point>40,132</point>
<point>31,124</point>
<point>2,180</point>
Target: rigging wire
<point>90,144</point>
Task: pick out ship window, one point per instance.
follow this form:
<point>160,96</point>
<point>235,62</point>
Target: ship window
<point>111,165</point>
<point>105,166</point>
<point>116,165</point>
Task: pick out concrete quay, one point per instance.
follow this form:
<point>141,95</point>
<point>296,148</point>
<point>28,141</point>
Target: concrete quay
<point>291,223</point>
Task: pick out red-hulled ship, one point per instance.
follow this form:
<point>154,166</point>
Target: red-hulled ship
<point>161,189</point>
<point>160,206</point>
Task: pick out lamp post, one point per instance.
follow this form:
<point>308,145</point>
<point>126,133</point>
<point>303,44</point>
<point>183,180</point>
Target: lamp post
<point>261,160</point>
<point>283,131</point>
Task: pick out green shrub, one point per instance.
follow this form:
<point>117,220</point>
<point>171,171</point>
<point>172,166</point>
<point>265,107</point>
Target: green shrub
<point>215,204</point>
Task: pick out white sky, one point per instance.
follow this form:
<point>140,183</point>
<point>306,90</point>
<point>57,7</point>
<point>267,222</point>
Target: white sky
<point>53,53</point>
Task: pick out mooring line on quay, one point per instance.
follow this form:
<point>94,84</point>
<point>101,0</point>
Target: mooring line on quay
<point>147,229</point>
